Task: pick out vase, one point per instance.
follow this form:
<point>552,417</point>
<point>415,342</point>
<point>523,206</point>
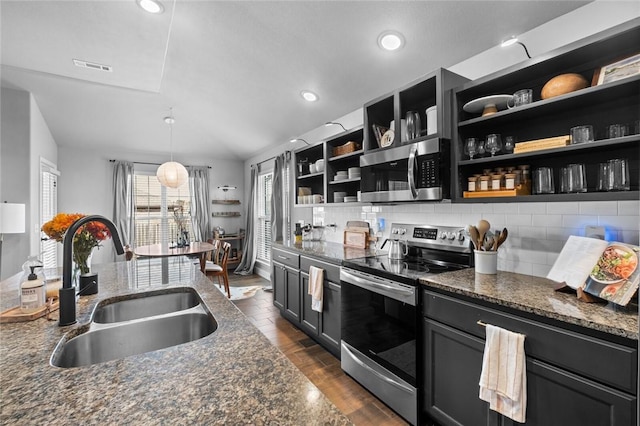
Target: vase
<point>81,265</point>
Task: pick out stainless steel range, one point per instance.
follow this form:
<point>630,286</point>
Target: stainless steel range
<point>380,311</point>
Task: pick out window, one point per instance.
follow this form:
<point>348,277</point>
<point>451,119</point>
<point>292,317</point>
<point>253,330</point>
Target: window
<point>48,209</point>
<point>158,210</point>
<point>265,182</point>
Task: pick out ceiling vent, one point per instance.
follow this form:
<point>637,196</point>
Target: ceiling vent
<point>92,65</point>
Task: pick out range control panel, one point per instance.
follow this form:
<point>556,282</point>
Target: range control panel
<point>441,237</point>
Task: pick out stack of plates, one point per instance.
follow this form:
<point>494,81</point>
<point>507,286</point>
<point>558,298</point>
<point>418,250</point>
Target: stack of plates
<point>338,197</point>
<point>350,199</point>
<point>354,172</point>
<point>341,175</point>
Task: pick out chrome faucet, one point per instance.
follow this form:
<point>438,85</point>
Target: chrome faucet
<point>67,295</point>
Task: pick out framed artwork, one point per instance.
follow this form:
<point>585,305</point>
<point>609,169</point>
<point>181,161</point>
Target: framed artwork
<point>623,68</point>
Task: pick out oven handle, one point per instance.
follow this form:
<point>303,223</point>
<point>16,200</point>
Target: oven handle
<point>411,171</point>
<point>376,373</point>
<point>371,282</point>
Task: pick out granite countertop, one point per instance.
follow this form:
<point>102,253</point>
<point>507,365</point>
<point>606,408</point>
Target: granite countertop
<point>536,295</point>
<point>328,251</point>
<point>233,376</point>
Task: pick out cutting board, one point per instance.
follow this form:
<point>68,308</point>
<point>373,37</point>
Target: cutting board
<point>356,238</point>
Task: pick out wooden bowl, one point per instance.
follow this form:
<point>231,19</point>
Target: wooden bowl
<point>562,84</point>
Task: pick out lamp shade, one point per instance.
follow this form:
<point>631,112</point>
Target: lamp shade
<point>12,218</point>
<point>172,174</point>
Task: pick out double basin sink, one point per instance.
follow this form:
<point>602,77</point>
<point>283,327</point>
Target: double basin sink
<point>135,324</point>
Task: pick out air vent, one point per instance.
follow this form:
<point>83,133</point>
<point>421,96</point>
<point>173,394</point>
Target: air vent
<point>92,65</point>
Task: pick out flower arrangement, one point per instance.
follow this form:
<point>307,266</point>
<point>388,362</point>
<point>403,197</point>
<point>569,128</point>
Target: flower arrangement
<point>87,237</point>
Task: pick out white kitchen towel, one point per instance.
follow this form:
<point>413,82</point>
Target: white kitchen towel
<point>316,277</point>
<point>503,381</point>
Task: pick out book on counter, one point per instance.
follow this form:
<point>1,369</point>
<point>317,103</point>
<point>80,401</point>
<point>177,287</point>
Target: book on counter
<point>607,270</point>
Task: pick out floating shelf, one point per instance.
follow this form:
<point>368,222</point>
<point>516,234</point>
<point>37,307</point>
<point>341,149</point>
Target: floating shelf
<point>225,214</point>
<point>225,201</point>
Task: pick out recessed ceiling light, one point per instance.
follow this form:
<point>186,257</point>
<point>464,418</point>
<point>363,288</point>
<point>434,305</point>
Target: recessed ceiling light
<point>151,6</point>
<point>390,40</point>
<point>309,96</point>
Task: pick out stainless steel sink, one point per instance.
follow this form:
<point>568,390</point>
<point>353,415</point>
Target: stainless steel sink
<point>142,305</point>
<point>117,337</point>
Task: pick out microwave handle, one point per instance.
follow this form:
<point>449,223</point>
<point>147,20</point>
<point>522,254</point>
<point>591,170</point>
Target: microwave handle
<point>411,171</point>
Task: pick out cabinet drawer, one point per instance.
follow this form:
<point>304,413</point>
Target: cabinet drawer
<point>331,271</point>
<point>285,257</point>
<point>588,356</point>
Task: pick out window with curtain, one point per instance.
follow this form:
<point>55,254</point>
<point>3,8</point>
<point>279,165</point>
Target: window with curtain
<point>264,216</point>
<point>48,209</point>
<point>158,209</point>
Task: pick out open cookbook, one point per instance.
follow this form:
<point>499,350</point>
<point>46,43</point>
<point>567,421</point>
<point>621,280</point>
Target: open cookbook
<point>608,270</point>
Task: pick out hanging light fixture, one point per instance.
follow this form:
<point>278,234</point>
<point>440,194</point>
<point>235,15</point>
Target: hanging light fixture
<point>171,174</point>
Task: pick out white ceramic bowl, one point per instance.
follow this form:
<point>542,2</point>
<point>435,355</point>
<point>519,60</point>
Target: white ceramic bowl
<point>320,165</point>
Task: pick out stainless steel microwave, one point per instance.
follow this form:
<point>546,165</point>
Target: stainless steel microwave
<point>412,172</point>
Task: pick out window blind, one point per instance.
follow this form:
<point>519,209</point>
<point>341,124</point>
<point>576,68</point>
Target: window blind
<point>48,209</point>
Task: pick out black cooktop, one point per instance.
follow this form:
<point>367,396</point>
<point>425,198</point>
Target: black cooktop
<point>408,270</point>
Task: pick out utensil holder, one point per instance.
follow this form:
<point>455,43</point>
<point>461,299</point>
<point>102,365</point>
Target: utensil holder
<point>486,262</point>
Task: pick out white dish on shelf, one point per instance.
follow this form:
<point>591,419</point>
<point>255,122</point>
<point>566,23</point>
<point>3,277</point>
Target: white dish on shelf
<point>350,199</point>
<point>480,105</point>
<point>387,138</point>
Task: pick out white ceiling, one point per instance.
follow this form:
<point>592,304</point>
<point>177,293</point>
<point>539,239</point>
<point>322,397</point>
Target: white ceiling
<point>233,70</point>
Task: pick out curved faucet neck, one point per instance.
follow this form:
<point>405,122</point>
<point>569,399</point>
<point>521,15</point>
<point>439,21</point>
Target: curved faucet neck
<point>67,244</point>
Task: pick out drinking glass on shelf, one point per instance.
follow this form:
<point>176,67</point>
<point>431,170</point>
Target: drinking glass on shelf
<point>480,148</point>
<point>509,144</point>
<point>471,147</point>
<point>493,144</point>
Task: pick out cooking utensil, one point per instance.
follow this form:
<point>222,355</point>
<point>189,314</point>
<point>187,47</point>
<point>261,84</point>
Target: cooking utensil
<point>475,236</point>
<point>488,244</point>
<point>483,227</point>
<point>503,236</point>
<point>496,238</point>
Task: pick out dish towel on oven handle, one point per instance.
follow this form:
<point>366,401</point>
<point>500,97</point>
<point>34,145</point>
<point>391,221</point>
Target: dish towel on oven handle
<point>503,381</point>
<point>316,277</point>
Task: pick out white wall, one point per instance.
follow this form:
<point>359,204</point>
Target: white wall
<point>14,178</point>
<point>85,185</point>
<point>537,230</point>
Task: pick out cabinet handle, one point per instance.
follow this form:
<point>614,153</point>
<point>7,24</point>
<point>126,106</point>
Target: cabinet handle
<point>481,324</point>
<point>283,257</point>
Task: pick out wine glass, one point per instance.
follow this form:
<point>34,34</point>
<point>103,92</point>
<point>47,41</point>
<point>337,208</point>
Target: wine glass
<point>470,147</point>
<point>480,148</point>
<point>493,144</point>
<point>509,144</point>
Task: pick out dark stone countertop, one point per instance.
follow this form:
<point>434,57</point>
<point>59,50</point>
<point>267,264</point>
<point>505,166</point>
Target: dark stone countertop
<point>536,295</point>
<point>327,251</point>
<point>233,376</point>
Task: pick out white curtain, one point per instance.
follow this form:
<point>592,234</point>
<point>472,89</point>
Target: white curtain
<point>123,201</point>
<point>200,211</point>
<point>249,257</point>
<point>277,194</point>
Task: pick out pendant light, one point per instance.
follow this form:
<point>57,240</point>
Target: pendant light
<point>171,174</point>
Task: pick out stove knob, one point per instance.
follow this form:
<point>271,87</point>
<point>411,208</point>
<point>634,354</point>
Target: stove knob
<point>460,236</point>
<point>452,236</point>
<point>443,236</point>
<point>394,230</point>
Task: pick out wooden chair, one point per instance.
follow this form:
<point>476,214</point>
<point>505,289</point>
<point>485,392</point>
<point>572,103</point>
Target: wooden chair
<point>212,257</point>
<point>221,269</point>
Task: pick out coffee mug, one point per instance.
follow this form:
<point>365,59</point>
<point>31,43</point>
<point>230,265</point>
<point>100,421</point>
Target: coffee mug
<point>520,98</point>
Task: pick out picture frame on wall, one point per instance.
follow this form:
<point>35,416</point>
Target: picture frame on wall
<point>621,69</point>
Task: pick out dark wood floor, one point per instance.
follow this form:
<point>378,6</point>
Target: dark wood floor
<point>320,366</point>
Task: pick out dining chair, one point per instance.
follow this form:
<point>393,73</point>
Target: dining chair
<point>212,257</point>
<point>221,269</point>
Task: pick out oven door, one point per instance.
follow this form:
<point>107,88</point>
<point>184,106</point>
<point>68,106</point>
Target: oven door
<point>379,319</point>
<point>417,171</point>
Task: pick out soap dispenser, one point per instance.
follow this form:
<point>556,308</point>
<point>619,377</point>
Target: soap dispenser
<point>33,292</point>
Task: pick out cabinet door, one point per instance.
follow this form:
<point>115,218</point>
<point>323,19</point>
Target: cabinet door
<point>330,322</point>
<point>453,362</point>
<point>278,282</point>
<point>292,298</point>
<point>309,319</point>
<point>558,398</point>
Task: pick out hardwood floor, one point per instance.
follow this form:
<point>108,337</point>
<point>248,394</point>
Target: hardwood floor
<point>320,366</point>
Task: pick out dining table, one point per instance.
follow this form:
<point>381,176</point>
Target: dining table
<point>199,249</point>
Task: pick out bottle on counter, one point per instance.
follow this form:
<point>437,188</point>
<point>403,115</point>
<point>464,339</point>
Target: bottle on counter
<point>33,293</point>
<point>297,234</point>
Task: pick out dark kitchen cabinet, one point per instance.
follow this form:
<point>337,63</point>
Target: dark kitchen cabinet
<point>340,153</point>
<point>598,105</point>
<point>286,283</point>
<point>572,378</point>
<point>322,326</point>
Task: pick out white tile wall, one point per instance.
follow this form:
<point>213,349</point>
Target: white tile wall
<point>537,231</point>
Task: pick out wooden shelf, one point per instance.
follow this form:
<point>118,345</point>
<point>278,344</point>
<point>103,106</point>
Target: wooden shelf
<point>225,201</point>
<point>225,214</point>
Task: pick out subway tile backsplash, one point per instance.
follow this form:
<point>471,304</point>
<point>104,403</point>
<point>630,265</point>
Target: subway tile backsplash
<point>537,231</point>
